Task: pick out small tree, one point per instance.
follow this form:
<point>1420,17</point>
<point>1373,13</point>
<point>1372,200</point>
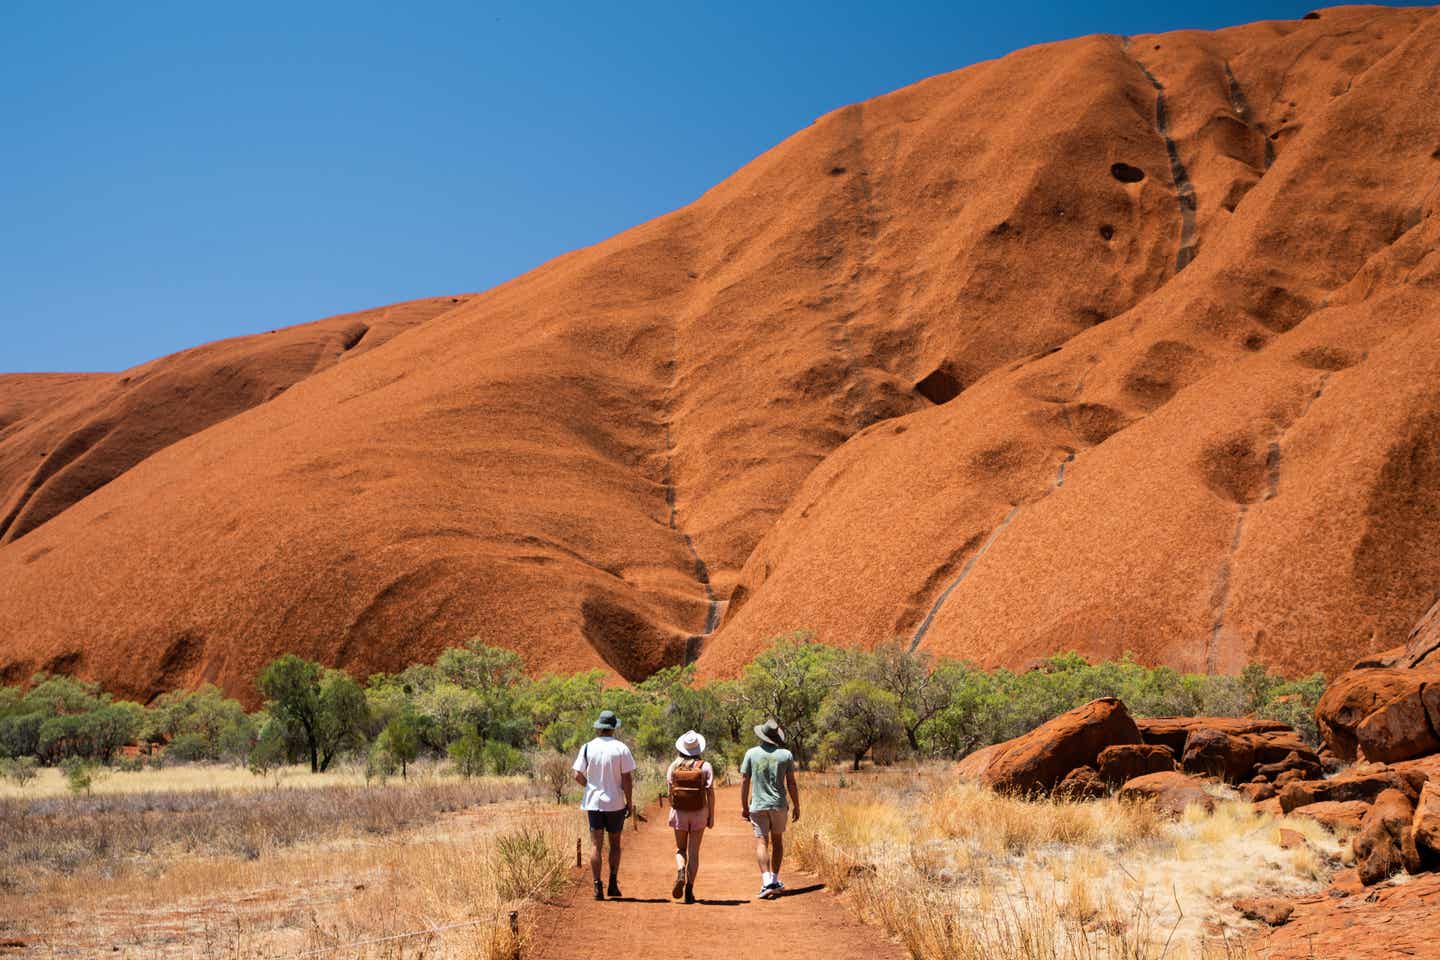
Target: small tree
<point>468,755</point>
<point>553,770</point>
<point>291,686</point>
<point>400,740</point>
<point>858,717</point>
<point>79,775</point>
<point>20,770</point>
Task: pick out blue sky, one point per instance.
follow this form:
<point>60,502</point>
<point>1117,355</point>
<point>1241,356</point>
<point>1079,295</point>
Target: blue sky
<point>176,172</point>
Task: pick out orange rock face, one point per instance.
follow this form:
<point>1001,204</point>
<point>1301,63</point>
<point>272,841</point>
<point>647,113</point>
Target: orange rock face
<point>1116,344</point>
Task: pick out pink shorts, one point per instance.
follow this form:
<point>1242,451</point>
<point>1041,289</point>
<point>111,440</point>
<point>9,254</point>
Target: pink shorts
<point>691,821</point>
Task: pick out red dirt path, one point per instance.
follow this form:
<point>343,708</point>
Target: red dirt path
<point>727,922</point>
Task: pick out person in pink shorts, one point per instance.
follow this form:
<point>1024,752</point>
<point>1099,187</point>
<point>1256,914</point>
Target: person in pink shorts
<point>692,809</point>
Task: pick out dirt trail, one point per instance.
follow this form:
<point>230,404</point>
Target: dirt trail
<point>728,919</point>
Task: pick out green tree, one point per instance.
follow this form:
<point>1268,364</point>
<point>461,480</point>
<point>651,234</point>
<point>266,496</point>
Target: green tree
<point>325,706</point>
<point>858,717</point>
<point>400,740</point>
<point>468,755</point>
<point>789,682</point>
<point>19,770</point>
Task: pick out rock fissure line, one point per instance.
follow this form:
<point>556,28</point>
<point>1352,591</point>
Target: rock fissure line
<point>969,565</point>
<point>1220,598</point>
<point>713,605</point>
<point>1241,105</point>
<point>1184,189</point>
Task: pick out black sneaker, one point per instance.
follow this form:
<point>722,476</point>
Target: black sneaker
<point>679,887</point>
<point>599,891</point>
<point>614,890</point>
<point>689,893</point>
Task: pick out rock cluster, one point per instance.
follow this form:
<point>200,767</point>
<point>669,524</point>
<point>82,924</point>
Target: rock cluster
<point>1383,718</point>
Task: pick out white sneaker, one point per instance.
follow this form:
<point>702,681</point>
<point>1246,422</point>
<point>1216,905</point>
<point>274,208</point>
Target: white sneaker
<point>770,891</point>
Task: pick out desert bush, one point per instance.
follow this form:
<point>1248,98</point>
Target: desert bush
<point>527,864</point>
<point>554,771</point>
<point>19,770</point>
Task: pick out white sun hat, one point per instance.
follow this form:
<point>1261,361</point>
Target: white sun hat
<point>691,744</point>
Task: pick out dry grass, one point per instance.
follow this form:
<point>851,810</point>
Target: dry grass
<point>956,872</point>
<point>272,873</point>
<point>185,778</point>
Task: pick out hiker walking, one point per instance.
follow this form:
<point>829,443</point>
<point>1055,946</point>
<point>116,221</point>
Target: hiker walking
<point>605,768</point>
<point>767,774</point>
<point>692,809</point>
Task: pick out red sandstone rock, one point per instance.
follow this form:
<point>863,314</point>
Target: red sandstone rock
<point>1256,792</point>
<point>1185,415</point>
<point>1040,759</point>
<point>1234,756</point>
<point>1400,730</point>
<point>1338,816</point>
<point>1172,792</point>
<point>1426,824</point>
<point>1384,846</point>
<point>1082,783</point>
<point>1173,731</point>
<point>1354,696</point>
<point>1270,911</point>
<point>1359,785</point>
<point>1127,761</point>
<point>1388,922</point>
<point>1290,839</point>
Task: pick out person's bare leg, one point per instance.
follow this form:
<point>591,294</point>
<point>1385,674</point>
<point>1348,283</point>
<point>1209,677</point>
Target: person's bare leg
<point>692,856</point>
<point>614,858</point>
<point>762,854</point>
<point>681,842</point>
<point>777,853</point>
<point>597,839</point>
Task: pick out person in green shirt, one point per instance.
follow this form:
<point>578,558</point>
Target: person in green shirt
<point>766,774</point>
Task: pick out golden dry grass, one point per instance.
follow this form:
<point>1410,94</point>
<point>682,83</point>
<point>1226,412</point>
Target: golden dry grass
<point>184,778</point>
<point>957,872</point>
<point>395,859</point>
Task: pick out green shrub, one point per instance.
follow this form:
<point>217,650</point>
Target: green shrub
<point>19,770</point>
<point>504,760</point>
<point>80,776</point>
<point>468,755</point>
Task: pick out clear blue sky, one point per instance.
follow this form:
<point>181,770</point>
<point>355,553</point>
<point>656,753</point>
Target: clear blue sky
<point>176,172</point>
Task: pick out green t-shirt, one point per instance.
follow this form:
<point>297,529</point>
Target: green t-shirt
<point>767,767</point>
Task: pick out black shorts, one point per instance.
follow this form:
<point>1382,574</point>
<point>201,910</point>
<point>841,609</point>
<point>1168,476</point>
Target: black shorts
<point>611,821</point>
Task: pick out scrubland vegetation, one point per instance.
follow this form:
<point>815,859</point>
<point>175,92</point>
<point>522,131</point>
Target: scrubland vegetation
<point>475,707</point>
<point>342,811</point>
<point>957,872</point>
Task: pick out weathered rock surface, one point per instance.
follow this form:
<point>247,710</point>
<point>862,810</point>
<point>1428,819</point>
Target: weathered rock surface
<point>1270,911</point>
<point>1356,785</point>
<point>1082,783</point>
<point>1353,696</point>
<point>1401,729</point>
<point>1040,759</point>
<point>1386,923</point>
<point>991,363</point>
<point>1385,846</point>
<point>1426,824</point>
<point>1171,792</point>
<point>1234,757</point>
<point>1172,732</point>
<point>1127,761</point>
<point>1338,816</point>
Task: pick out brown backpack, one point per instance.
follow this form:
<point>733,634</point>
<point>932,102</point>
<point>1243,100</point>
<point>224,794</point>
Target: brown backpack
<point>687,786</point>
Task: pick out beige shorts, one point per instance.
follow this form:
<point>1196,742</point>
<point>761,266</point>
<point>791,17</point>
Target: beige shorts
<point>767,822</point>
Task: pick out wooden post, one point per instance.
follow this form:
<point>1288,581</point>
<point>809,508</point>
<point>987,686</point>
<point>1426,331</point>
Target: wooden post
<point>515,934</point>
<point>577,851</point>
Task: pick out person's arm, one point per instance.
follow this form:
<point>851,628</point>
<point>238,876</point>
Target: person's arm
<point>745,797</point>
<point>794,789</point>
<point>710,798</point>
<point>578,768</point>
<point>627,781</point>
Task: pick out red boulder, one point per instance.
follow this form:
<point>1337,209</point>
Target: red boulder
<point>1040,759</point>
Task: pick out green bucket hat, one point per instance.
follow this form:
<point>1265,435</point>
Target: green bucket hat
<point>607,721</point>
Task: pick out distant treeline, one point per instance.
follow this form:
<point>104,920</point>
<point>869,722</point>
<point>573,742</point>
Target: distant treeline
<point>476,706</point>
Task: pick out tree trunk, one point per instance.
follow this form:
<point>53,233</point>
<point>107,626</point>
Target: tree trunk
<point>856,767</point>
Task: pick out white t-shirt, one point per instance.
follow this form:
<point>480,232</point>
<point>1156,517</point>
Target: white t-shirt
<point>603,761</point>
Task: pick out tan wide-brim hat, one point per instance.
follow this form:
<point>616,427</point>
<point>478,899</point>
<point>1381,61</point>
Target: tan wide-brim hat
<point>691,744</point>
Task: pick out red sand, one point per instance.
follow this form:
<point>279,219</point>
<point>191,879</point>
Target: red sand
<point>1137,458</point>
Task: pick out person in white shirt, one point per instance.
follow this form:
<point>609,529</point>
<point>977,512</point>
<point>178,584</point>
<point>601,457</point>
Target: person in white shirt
<point>605,768</point>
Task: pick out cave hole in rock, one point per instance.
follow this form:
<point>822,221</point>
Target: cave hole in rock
<point>939,386</point>
<point>836,171</point>
<point>1106,231</point>
<point>1125,173</point>
<point>1312,15</point>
